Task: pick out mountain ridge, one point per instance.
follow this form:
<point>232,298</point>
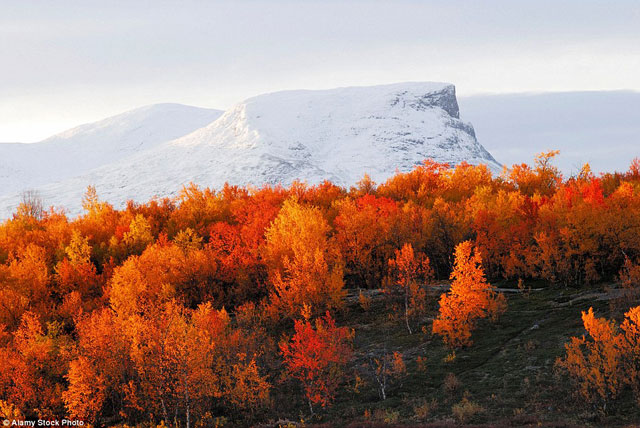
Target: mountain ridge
<point>310,135</point>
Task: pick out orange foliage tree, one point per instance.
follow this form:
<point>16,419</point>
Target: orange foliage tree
<point>25,285</point>
<point>168,362</point>
<point>100,373</point>
<point>165,271</point>
<point>76,272</point>
<point>32,367</point>
<point>363,232</point>
<point>631,333</point>
<point>408,275</point>
<point>630,279</point>
<point>542,180</point>
<point>606,362</point>
<point>505,224</point>
<point>470,298</point>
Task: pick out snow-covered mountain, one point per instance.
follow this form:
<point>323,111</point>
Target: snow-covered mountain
<point>82,149</point>
<point>93,145</point>
<point>336,134</point>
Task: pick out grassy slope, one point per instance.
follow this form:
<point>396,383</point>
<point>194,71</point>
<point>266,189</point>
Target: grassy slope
<point>508,370</point>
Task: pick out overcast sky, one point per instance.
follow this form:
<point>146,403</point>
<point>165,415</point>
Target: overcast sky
<point>63,63</point>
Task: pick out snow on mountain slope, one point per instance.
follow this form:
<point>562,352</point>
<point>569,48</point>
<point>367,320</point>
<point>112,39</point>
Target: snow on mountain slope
<point>89,146</point>
<point>336,134</point>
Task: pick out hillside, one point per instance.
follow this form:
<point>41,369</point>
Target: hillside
<point>509,371</point>
<point>440,297</point>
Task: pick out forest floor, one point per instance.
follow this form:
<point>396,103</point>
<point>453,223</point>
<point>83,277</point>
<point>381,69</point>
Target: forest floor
<point>505,378</point>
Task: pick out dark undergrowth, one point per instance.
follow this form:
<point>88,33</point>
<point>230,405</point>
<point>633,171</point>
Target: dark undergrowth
<point>506,378</point>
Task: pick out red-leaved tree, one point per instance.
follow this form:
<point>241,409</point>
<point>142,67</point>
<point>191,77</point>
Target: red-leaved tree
<point>316,357</point>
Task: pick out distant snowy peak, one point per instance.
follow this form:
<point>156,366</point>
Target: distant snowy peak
<point>90,146</point>
<point>141,127</point>
<point>80,150</point>
<point>144,126</point>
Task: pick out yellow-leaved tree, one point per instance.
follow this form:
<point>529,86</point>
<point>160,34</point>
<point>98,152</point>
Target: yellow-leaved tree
<point>304,264</point>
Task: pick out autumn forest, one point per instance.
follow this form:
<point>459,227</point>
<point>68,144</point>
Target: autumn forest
<point>442,296</point>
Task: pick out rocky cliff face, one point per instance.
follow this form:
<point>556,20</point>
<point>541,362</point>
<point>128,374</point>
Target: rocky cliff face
<point>338,135</point>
